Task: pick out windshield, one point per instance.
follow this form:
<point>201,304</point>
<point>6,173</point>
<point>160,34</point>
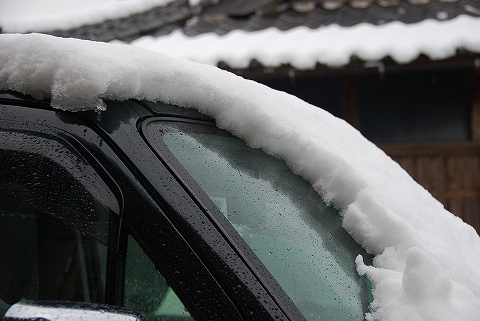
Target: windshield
<point>285,222</point>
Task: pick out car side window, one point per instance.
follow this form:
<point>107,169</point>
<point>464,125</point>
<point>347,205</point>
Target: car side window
<point>146,291</point>
<point>298,237</point>
<point>57,219</point>
<point>43,259</point>
<point>53,176</point>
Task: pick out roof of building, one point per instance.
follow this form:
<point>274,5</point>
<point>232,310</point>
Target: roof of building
<point>333,45</point>
<point>207,30</point>
<point>223,16</point>
<point>129,26</point>
<point>338,12</point>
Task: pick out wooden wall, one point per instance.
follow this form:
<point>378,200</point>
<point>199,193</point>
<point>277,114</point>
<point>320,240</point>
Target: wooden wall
<point>451,172</point>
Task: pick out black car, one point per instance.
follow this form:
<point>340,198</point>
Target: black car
<point>151,207</point>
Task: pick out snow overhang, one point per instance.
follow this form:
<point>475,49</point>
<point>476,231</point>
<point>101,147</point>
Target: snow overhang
<point>332,45</point>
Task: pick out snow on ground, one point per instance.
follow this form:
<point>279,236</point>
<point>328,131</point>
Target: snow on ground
<point>332,45</point>
<point>426,264</point>
<point>48,15</point>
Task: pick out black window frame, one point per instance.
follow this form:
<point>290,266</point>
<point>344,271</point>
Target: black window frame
<point>82,129</point>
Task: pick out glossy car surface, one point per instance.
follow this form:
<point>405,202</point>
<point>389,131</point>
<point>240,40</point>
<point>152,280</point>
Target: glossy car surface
<point>151,207</point>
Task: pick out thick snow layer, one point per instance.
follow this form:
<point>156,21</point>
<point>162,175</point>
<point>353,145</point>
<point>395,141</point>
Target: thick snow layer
<point>427,261</point>
<point>331,45</point>
<point>48,15</point>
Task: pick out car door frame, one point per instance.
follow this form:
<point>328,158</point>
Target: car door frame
<point>197,242</point>
<point>137,207</point>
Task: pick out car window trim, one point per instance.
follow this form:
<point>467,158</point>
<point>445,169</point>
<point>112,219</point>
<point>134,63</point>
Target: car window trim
<point>236,242</point>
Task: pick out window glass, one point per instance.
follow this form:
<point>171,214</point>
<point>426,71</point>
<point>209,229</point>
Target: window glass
<point>50,175</point>
<point>147,292</point>
<point>427,106</point>
<point>325,92</point>
<point>286,223</point>
<point>57,218</point>
<point>43,259</point>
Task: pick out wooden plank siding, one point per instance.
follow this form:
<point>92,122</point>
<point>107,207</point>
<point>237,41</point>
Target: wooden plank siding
<point>476,100</point>
<point>450,172</point>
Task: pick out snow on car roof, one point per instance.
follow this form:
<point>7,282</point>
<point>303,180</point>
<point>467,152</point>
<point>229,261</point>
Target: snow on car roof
<point>426,264</point>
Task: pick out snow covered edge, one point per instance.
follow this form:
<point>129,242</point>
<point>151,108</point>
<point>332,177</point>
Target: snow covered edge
<point>331,45</point>
<point>73,19</point>
<point>426,264</point>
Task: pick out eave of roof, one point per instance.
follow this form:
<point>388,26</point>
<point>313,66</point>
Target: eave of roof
<point>330,45</point>
<point>104,22</point>
<point>375,13</point>
<point>160,17</point>
<point>275,32</point>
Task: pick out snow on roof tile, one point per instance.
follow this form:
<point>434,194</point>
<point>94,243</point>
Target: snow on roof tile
<point>124,20</point>
<point>183,30</point>
<point>331,45</point>
<point>346,15</point>
<point>284,15</point>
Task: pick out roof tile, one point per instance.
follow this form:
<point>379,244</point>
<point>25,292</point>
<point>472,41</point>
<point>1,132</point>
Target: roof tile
<point>283,15</point>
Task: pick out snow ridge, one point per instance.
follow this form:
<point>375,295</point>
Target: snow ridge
<point>331,45</point>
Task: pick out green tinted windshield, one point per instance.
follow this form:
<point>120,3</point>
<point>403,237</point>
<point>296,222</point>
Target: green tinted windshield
<point>293,232</point>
